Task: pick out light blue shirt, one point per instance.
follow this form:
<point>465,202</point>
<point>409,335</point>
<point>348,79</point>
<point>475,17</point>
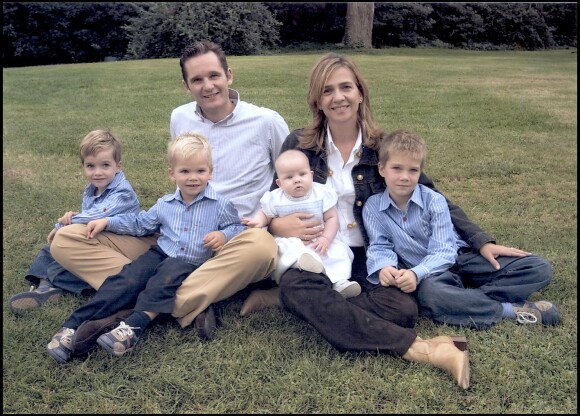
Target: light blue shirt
<point>118,198</point>
<point>422,238</point>
<point>244,146</point>
<point>182,227</point>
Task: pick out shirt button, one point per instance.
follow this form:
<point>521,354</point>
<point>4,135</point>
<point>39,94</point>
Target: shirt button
<point>360,177</point>
<point>330,172</point>
<point>359,203</point>
<point>185,229</point>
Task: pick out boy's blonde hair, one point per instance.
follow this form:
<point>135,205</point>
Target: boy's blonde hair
<point>187,144</point>
<point>403,140</point>
<point>97,141</point>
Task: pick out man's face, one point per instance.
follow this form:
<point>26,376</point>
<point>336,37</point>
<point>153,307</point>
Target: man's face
<point>207,84</point>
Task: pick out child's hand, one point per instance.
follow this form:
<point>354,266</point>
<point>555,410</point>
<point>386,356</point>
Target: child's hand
<point>51,236</point>
<point>388,276</point>
<point>407,281</point>
<point>320,245</point>
<point>94,227</point>
<point>251,222</point>
<point>214,240</point>
<point>66,219</point>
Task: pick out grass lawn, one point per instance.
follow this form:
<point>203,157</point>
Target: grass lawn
<point>501,128</point>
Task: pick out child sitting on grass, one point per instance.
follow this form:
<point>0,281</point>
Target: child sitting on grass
<point>107,194</point>
<point>194,222</point>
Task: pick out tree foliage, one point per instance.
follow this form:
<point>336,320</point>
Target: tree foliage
<point>42,33</point>
<point>305,23</point>
<point>39,33</point>
<point>163,29</point>
<point>402,24</point>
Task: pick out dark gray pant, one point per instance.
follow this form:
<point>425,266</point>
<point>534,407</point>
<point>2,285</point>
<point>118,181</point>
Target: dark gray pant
<point>380,319</point>
<point>147,284</point>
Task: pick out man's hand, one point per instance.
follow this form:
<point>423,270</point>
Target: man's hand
<point>491,251</point>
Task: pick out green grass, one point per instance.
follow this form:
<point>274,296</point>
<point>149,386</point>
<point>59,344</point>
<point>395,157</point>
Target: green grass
<point>501,132</point>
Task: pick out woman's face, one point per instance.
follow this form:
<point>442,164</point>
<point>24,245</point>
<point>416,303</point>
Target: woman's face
<point>340,97</point>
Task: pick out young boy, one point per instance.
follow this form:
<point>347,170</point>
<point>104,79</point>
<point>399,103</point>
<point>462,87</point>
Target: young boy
<point>413,245</point>
<point>194,222</point>
<point>107,194</point>
<point>298,193</point>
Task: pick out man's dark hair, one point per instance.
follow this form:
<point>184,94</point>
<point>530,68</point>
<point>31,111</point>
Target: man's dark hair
<point>199,48</point>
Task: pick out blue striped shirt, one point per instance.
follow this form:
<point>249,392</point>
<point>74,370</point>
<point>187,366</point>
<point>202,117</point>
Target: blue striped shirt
<point>182,227</point>
<point>244,146</point>
<point>118,198</point>
<point>421,239</point>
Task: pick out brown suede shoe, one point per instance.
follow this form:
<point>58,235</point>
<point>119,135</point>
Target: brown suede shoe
<point>206,323</point>
<point>85,337</point>
<point>260,299</point>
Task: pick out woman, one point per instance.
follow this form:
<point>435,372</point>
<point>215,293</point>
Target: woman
<point>341,143</point>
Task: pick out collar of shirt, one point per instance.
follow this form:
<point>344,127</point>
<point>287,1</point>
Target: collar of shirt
<point>208,192</point>
<point>387,202</point>
<point>334,155</point>
<point>234,98</point>
<point>117,179</point>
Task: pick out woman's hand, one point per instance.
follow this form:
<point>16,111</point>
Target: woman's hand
<point>298,225</point>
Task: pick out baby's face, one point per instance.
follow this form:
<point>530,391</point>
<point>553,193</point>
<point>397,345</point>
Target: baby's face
<point>294,177</point>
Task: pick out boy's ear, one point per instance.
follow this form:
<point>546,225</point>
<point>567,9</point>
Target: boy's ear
<point>278,182</point>
<point>381,170</point>
<point>170,172</point>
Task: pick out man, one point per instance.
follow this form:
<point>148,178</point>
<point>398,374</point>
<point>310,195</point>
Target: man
<point>245,140</point>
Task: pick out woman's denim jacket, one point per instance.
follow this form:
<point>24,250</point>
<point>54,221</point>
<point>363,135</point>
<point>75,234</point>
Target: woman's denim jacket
<point>367,181</point>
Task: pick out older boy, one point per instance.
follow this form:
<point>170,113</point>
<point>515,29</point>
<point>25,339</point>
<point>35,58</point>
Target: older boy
<point>414,246</point>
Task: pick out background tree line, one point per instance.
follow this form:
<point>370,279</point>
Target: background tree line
<point>40,33</point>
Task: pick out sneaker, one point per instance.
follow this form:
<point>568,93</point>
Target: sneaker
<point>120,340</point>
<point>35,298</point>
<point>85,337</point>
<point>347,288</point>
<point>541,312</point>
<point>59,347</point>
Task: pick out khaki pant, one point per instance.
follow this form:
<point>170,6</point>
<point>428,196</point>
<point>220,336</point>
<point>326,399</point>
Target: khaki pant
<point>247,258</point>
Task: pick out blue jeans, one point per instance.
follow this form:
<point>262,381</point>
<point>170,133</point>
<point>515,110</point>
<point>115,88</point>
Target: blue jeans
<point>45,266</point>
<point>147,284</point>
<point>471,293</point>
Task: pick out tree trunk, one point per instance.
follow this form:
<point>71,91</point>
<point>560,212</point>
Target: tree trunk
<point>359,25</point>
